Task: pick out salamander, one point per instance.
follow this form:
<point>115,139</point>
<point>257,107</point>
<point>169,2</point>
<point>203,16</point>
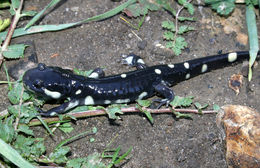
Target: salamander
<point>98,89</point>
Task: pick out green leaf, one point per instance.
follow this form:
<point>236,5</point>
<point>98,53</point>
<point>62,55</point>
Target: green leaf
<point>76,163</point>
<point>94,130</point>
<point>12,155</point>
<point>15,3</point>
<point>179,44</point>
<point>223,7</point>
<point>29,13</point>
<point>81,72</point>
<point>216,107</point>
<point>37,17</point>
<point>112,110</point>
<point>140,8</point>
<point>166,5</point>
<point>181,115</point>
<point>91,139</point>
<point>4,4</point>
<point>199,106</point>
<point>184,29</point>
<point>186,18</point>
<point>252,2</point>
<point>181,101</point>
<point>25,129</point>
<point>15,94</point>
<point>148,115</point>
<point>135,10</point>
<point>144,103</point>
<point>4,24</point>
<point>66,127</point>
<point>187,5</point>
<point>7,132</point>
<point>168,35</point>
<point>253,37</point>
<point>29,148</point>
<point>59,155</point>
<point>169,25</point>
<point>14,51</point>
<point>190,8</point>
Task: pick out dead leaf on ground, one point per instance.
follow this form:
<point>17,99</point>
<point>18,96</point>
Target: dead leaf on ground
<point>235,82</point>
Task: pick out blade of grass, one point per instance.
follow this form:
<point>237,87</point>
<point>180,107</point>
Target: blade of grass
<point>71,139</point>
<point>46,28</point>
<point>37,17</point>
<point>12,155</point>
<point>7,77</point>
<point>45,125</point>
<point>253,38</point>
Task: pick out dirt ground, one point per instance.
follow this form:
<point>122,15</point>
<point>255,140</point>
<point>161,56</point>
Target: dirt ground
<point>183,143</point>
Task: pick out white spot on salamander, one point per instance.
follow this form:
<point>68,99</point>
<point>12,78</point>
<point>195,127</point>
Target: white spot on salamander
<point>232,57</point>
<point>140,61</point>
<point>52,94</point>
<point>186,65</point>
<point>107,102</point>
<point>119,101</point>
<point>53,114</point>
<point>187,76</point>
<point>73,82</point>
<point>142,95</point>
<point>170,65</point>
<point>123,75</point>
<point>204,68</point>
<point>158,71</point>
<point>89,100</point>
<point>78,92</point>
<point>129,60</point>
<point>93,75</point>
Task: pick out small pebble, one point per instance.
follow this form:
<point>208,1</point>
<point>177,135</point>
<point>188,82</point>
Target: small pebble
<point>142,44</point>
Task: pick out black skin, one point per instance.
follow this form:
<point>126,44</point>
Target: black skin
<point>58,83</point>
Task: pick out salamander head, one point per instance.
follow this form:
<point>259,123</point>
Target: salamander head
<point>48,82</point>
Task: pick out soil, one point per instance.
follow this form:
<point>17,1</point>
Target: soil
<point>169,142</point>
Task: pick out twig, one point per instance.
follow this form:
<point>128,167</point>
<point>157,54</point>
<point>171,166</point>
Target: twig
<point>89,113</point>
<point>11,31</point>
<point>176,21</point>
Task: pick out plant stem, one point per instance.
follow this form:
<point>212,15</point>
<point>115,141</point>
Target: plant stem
<point>10,32</point>
<point>90,113</point>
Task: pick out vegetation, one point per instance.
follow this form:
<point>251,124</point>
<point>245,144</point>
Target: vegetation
<point>19,145</point>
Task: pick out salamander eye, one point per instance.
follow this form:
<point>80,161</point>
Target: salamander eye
<point>37,83</point>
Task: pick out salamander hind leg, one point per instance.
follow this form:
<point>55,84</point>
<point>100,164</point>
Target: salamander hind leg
<point>166,92</point>
<point>97,73</point>
<point>133,61</point>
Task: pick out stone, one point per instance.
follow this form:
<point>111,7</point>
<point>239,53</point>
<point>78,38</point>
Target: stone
<point>241,128</point>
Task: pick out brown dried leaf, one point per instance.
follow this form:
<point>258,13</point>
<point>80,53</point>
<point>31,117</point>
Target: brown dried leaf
<point>235,82</point>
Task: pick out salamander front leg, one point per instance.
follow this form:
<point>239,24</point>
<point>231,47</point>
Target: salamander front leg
<point>166,92</point>
<point>60,109</point>
<point>97,73</point>
<point>134,61</point>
